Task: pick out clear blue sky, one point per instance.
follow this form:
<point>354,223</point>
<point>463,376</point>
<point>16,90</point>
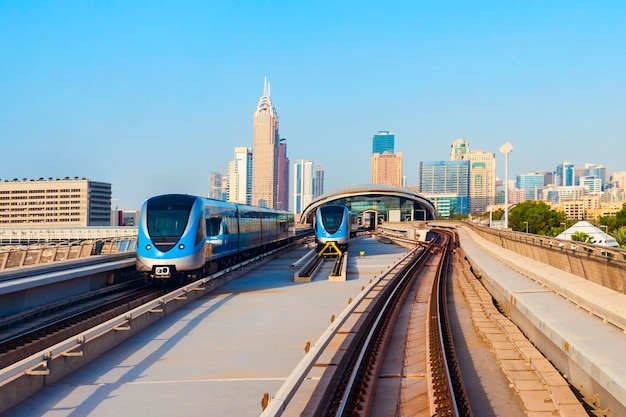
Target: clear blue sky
<point>153,95</point>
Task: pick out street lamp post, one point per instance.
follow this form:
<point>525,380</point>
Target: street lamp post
<point>505,150</point>
<point>526,223</point>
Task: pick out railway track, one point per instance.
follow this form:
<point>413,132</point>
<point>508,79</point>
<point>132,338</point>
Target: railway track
<point>92,330</point>
<point>392,352</point>
<point>448,389</point>
<point>24,335</point>
<point>355,360</point>
<point>311,268</point>
<point>356,365</point>
<point>35,330</point>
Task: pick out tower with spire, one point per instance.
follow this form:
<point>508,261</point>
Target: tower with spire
<point>265,152</point>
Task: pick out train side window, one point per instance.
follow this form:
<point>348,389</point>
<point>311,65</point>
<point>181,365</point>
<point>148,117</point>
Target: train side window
<point>232,226</point>
<point>213,226</point>
<point>200,231</point>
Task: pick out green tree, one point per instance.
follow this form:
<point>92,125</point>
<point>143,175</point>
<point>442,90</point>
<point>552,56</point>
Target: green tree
<point>620,236</point>
<point>459,216</point>
<point>581,237</point>
<point>541,219</point>
<point>497,214</point>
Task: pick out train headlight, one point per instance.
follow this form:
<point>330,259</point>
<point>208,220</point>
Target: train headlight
<point>181,246</point>
<point>148,247</point>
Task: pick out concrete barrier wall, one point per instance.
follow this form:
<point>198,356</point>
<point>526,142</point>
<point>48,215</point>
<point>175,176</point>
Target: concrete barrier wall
<point>580,361</point>
<point>598,264</point>
<point>15,257</point>
<point>52,367</point>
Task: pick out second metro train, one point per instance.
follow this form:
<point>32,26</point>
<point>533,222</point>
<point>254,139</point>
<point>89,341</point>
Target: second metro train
<point>181,235</point>
<point>334,223</point>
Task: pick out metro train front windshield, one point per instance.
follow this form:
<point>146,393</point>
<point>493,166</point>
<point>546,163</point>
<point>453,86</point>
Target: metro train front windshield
<point>331,218</point>
<point>167,217</point>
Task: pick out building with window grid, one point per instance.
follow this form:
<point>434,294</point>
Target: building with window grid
<point>446,178</point>
<point>240,176</point>
<point>532,184</point>
<point>54,203</point>
<point>482,180</point>
<point>302,185</point>
<point>387,169</point>
<point>383,141</point>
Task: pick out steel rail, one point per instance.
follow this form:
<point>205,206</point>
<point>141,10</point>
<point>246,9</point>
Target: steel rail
<point>69,322</point>
<point>42,358</point>
<point>289,388</point>
<point>384,312</point>
<point>451,399</point>
<point>443,391</point>
<point>340,259</point>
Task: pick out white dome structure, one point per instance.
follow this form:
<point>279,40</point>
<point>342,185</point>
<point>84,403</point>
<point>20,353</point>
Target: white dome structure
<point>598,237</point>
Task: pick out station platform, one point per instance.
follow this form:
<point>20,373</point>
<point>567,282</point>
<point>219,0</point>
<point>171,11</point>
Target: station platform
<point>218,355</point>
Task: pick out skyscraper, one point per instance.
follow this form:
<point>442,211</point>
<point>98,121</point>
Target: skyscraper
<point>591,183</point>
<point>265,152</point>
<point>447,184</point>
<point>283,176</point>
<point>444,177</point>
<point>482,180</point>
<point>382,142</point>
<point>618,180</point>
<point>598,171</point>
<point>387,168</point>
<point>302,185</point>
<point>318,181</point>
<point>532,183</point>
<point>565,174</point>
<point>459,148</point>
<point>240,176</point>
<point>217,181</point>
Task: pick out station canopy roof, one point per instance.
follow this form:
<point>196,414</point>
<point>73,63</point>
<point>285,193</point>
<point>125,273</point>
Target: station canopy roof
<point>373,193</point>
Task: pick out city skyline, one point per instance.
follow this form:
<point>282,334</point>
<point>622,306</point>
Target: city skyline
<point>153,97</point>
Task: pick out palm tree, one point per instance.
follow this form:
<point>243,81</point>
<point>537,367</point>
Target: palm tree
<point>620,236</point>
<point>581,237</point>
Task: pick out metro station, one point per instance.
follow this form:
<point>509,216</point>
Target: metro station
<point>376,203</point>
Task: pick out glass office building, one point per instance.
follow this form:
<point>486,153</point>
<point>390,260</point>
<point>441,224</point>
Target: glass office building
<point>532,183</point>
<point>382,142</point>
<point>450,178</point>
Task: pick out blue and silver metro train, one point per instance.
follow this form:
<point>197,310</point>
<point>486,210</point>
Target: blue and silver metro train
<point>183,236</point>
<point>334,223</point>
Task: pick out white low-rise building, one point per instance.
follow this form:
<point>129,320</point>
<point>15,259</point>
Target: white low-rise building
<point>598,237</point>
